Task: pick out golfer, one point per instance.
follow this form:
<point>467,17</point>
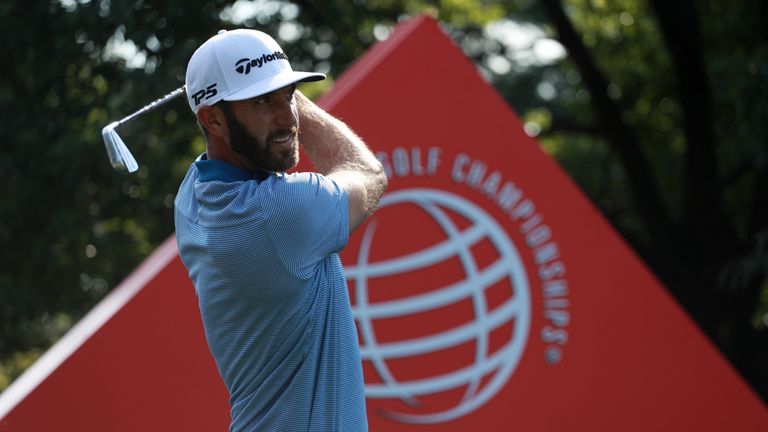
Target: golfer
<point>261,246</point>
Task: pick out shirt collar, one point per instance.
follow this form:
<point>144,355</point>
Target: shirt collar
<point>210,169</point>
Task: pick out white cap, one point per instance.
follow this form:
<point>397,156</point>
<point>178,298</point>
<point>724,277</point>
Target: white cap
<point>236,65</point>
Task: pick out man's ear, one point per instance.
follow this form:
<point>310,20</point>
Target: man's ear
<point>212,118</point>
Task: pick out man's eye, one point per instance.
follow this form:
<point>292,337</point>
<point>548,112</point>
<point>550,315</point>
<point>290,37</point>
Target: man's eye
<point>262,100</point>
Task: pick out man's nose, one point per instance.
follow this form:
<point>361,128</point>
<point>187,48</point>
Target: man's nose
<point>286,115</point>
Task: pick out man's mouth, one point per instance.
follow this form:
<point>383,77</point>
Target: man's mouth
<point>283,139</point>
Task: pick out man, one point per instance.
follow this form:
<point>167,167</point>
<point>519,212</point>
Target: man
<point>261,245</point>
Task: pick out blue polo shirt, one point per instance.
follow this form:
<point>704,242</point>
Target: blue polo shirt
<point>261,250</point>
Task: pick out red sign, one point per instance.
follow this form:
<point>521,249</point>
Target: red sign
<point>488,292</point>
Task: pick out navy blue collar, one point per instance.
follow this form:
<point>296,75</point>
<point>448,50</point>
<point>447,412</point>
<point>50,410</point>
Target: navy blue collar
<point>217,170</point>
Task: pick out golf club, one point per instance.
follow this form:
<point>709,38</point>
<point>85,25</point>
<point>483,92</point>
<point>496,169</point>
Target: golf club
<point>119,155</point>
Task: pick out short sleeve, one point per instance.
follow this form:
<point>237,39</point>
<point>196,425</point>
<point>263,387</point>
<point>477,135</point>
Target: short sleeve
<point>307,217</point>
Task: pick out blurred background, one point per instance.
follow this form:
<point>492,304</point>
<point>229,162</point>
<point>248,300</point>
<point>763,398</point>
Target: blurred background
<point>658,110</point>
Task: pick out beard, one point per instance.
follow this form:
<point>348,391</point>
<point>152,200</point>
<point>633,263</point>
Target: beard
<point>262,155</point>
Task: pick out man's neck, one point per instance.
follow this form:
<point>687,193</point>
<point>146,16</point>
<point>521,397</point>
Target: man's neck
<point>222,152</point>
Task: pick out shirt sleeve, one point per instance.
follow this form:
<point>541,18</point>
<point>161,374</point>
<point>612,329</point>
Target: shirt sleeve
<point>307,216</point>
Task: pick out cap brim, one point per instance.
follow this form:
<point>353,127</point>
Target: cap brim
<point>273,83</point>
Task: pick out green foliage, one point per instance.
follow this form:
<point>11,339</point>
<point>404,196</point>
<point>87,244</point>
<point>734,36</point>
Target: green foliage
<point>17,363</point>
<point>72,227</point>
<point>626,42</point>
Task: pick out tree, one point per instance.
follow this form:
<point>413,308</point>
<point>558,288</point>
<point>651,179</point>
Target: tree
<point>700,225</point>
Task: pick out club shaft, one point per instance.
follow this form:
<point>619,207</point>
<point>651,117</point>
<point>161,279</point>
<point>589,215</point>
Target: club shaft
<point>152,105</point>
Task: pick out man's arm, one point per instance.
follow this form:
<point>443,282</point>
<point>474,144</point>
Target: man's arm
<point>341,155</point>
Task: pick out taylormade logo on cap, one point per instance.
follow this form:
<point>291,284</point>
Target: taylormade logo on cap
<point>244,65</point>
<point>236,65</point>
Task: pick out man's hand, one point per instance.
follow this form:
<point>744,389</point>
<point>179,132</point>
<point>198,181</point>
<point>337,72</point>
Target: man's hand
<point>341,155</point>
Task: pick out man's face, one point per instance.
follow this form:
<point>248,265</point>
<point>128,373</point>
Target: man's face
<point>264,129</point>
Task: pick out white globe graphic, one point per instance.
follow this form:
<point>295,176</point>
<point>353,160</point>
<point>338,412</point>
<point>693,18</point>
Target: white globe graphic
<point>489,370</point>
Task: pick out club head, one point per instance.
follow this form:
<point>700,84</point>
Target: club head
<point>119,156</point>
